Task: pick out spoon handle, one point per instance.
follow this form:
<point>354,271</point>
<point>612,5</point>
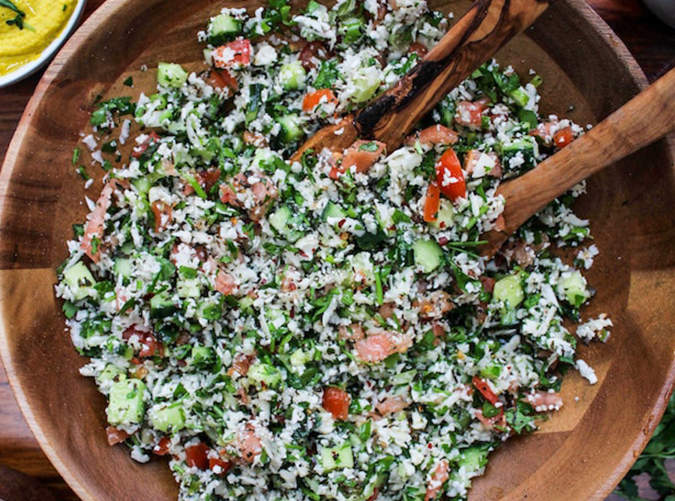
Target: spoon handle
<point>486,27</point>
<point>483,30</point>
<point>644,119</point>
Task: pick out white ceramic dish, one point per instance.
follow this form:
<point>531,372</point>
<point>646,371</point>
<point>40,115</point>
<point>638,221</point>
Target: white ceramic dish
<point>46,56</point>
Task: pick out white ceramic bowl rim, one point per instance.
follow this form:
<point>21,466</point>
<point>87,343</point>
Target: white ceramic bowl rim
<point>30,68</point>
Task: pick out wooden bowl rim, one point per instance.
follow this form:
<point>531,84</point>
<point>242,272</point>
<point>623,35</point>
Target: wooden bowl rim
<point>108,9</point>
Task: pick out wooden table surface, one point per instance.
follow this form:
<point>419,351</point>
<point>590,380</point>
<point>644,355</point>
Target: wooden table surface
<point>650,41</point>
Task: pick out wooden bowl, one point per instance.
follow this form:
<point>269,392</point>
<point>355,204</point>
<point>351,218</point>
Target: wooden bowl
<point>580,454</point>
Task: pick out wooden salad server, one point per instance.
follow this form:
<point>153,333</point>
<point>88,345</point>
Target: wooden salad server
<point>389,118</point>
<point>644,119</point>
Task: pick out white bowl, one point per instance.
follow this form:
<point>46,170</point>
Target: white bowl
<point>47,54</point>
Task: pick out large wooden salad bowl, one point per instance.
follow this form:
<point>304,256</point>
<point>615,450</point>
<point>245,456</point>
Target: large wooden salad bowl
<point>580,454</point>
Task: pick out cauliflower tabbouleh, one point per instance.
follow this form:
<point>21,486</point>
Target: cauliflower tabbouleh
<point>323,329</point>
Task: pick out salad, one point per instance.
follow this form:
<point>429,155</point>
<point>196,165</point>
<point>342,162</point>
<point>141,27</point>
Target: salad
<point>326,328</point>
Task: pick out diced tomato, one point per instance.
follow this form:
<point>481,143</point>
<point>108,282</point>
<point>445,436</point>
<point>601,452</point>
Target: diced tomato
<point>418,48</point>
<point>391,405</point>
<point>162,447</point>
<point>162,212</point>
<point>224,466</point>
<point>222,80</point>
<point>436,134</point>
<point>563,137</point>
<point>362,154</point>
<point>470,114</point>
<point>488,284</point>
<point>96,225</point>
<point>197,455</point>
<point>249,443</point>
<point>313,99</point>
<point>312,53</point>
<point>440,475</point>
<point>498,420</point>
<point>449,176</point>
<point>543,132</point>
<point>485,390</point>
<point>376,347</point>
<point>233,55</point>
<point>474,156</point>
<point>432,203</point>
<point>143,147</point>
<point>115,436</point>
<point>150,345</point>
<point>336,401</point>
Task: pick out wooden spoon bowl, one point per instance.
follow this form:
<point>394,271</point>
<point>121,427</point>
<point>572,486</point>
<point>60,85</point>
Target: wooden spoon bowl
<point>580,454</point>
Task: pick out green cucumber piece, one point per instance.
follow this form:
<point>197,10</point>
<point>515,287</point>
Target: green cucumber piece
<point>292,76</point>
<point>261,372</point>
<point>333,458</point>
<point>575,289</point>
<point>223,28</point>
<point>290,128</point>
<point>284,221</point>
<point>161,305</point>
<point>125,405</point>
<point>509,291</point>
<point>171,75</point>
<point>428,255</point>
<point>123,267</point>
<point>445,217</point>
<point>526,146</point>
<point>365,84</point>
<point>79,279</point>
<point>332,210</point>
<point>169,419</point>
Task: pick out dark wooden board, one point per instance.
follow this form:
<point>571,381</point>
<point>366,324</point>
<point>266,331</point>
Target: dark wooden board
<point>650,41</point>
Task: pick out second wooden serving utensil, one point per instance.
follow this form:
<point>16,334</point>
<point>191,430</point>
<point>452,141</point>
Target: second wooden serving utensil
<point>644,119</point>
<point>485,28</point>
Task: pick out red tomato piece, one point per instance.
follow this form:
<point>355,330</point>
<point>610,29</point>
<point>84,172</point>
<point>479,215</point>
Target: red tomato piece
<point>313,99</point>
<point>485,390</point>
<point>449,176</point>
<point>440,475</point>
<point>222,80</point>
<point>162,447</point>
<point>224,466</point>
<point>233,55</point>
<point>115,436</point>
<point>470,114</point>
<point>336,401</point>
<point>432,203</point>
<point>197,455</point>
<point>563,137</point>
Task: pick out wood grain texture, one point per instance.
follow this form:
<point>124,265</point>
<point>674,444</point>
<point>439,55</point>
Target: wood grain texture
<point>644,119</point>
<point>654,46</point>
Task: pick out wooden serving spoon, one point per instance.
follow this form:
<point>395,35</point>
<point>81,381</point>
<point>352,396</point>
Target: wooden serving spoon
<point>483,30</point>
<point>644,119</point>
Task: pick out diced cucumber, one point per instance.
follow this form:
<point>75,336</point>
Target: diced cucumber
<point>473,458</point>
<point>292,76</point>
<point>261,372</point>
<point>366,81</point>
<point>290,128</point>
<point>332,210</point>
<point>525,150</point>
<point>428,255</point>
<point>161,305</point>
<point>284,222</point>
<point>80,280</point>
<point>201,356</point>
<point>299,358</point>
<point>123,267</point>
<point>404,378</point>
<point>126,404</point>
<point>333,458</point>
<point>573,286</point>
<point>509,291</point>
<point>223,27</point>
<point>445,217</point>
<point>169,419</point>
<point>189,288</point>
<point>109,373</point>
<point>171,75</point>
